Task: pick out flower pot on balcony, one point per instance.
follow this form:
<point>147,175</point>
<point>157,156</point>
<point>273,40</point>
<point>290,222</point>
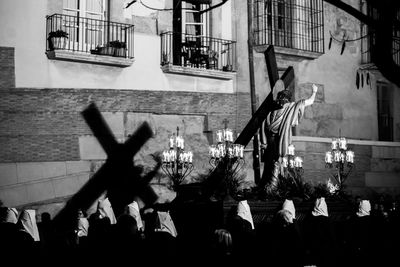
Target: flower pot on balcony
<point>57,39</point>
<point>120,52</point>
<point>59,42</point>
<point>107,51</point>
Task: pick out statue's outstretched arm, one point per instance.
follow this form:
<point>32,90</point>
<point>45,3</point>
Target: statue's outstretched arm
<point>310,100</point>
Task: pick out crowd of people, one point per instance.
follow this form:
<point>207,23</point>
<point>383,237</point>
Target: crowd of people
<point>169,235</point>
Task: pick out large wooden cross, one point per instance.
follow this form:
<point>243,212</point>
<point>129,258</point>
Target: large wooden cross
<point>118,176</point>
<point>267,105</point>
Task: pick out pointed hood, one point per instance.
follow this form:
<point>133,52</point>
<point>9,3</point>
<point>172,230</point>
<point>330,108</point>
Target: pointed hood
<point>364,208</point>
<point>320,207</point>
<point>243,211</point>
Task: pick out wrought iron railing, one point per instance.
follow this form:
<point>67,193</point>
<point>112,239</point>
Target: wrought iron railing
<point>89,35</point>
<point>200,52</point>
<point>368,42</point>
<point>297,24</point>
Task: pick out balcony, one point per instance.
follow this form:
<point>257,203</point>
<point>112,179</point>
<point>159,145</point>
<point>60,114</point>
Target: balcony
<point>198,55</point>
<point>295,28</point>
<point>73,38</point>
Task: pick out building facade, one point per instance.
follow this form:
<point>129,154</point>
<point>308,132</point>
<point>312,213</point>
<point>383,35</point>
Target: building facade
<point>172,65</point>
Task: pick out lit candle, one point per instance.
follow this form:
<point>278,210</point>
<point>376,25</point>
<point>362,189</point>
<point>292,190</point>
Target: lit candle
<point>171,142</point>
<point>336,156</point>
<point>182,143</point>
<point>291,163</point>
<point>165,156</point>
<point>168,156</point>
<point>221,148</point>
<point>230,152</point>
<point>219,136</point>
<point>334,143</point>
<point>172,155</point>
<point>228,135</point>
<point>212,151</point>
<point>342,157</point>
<point>241,151</point>
<point>190,156</point>
<point>328,157</point>
<point>298,162</point>
<point>290,150</point>
<point>342,143</point>
<point>217,154</point>
<point>284,162</point>
<point>350,156</point>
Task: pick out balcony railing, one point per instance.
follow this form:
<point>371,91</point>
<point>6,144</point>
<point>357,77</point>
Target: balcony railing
<point>199,52</point>
<point>91,36</point>
<point>297,24</point>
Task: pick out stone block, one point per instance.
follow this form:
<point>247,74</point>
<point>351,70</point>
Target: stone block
<point>39,191</point>
<point>115,121</point>
<point>53,169</point>
<point>83,179</point>
<point>8,174</point>
<point>385,152</point>
<point>382,165</point>
<point>90,149</point>
<point>304,91</point>
<point>77,166</point>
<point>13,196</point>
<point>321,111</point>
<point>29,171</point>
<point>382,179</point>
<point>66,186</point>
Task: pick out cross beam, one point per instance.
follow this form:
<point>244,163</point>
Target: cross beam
<point>117,175</point>
<point>267,105</point>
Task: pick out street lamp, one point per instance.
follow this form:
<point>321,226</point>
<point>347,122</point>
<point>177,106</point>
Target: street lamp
<point>177,163</point>
<point>341,159</point>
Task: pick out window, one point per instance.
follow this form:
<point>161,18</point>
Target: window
<point>371,9</point>
<point>385,112</point>
<point>294,24</point>
<point>193,22</point>
<point>84,23</point>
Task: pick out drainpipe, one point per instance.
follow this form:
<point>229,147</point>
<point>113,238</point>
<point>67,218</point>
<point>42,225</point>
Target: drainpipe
<point>250,42</point>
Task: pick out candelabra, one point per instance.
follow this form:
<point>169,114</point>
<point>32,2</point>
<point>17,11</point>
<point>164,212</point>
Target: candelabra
<point>177,163</point>
<point>226,152</point>
<point>292,165</point>
<point>341,159</point>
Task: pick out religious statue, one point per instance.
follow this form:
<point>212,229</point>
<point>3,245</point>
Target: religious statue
<point>276,133</point>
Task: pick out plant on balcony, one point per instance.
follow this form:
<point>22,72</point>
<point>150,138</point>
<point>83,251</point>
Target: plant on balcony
<point>119,48</point>
<point>57,39</point>
<point>113,48</point>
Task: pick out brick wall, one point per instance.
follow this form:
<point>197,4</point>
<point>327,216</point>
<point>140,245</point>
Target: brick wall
<point>7,67</point>
<point>44,124</point>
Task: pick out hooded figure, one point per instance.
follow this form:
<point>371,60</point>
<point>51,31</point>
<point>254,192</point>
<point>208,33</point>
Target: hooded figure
<point>243,211</point>
<point>288,211</point>
<point>105,210</point>
<point>364,208</point>
<point>11,215</point>
<point>134,211</point>
<point>27,222</point>
<point>320,207</point>
<point>319,236</point>
<point>164,223</point>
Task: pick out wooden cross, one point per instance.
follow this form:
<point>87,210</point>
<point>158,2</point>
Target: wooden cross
<point>267,105</point>
<point>118,176</point>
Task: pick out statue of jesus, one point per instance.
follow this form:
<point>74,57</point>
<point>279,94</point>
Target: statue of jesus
<point>276,133</point>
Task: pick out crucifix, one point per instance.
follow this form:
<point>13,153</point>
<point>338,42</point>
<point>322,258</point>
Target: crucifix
<point>118,176</point>
<point>267,105</point>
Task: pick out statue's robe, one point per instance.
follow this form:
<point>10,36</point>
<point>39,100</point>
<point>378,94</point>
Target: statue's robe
<point>278,129</point>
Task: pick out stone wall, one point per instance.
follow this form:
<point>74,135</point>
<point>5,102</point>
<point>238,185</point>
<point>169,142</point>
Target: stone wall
<point>43,134</point>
